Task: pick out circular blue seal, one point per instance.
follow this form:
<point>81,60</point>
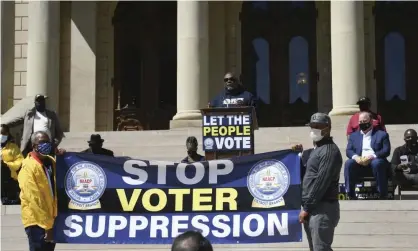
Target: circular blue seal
<point>208,142</point>
<point>268,180</point>
<point>85,182</point>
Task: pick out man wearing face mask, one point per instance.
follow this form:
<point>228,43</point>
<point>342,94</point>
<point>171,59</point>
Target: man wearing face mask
<point>38,193</point>
<point>39,118</point>
<point>404,160</point>
<point>364,104</point>
<point>367,149</point>
<point>96,146</point>
<point>321,210</point>
<point>11,161</point>
<point>192,155</point>
<point>233,95</point>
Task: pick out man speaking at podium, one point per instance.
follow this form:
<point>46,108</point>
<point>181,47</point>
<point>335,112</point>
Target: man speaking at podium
<point>233,95</point>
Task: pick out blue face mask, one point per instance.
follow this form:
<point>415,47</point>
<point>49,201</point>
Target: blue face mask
<point>45,148</point>
<point>4,138</point>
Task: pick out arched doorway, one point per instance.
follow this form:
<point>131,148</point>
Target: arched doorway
<point>397,61</point>
<point>145,54</point>
<point>279,60</point>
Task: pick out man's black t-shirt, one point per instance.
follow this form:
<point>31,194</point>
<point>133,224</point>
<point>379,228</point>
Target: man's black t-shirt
<point>235,97</point>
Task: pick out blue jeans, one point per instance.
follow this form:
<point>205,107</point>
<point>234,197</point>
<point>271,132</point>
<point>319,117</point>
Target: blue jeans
<point>36,239</point>
<point>353,172</point>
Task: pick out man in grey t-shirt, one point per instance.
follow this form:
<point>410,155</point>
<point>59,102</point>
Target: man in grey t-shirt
<point>321,209</point>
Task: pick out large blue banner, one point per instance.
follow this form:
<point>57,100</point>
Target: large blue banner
<point>249,199</point>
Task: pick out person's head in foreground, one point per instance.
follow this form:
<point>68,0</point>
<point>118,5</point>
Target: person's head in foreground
<point>191,241</point>
<point>41,144</point>
<point>320,124</point>
<point>365,122</point>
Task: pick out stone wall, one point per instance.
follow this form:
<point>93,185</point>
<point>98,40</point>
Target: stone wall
<point>21,46</point>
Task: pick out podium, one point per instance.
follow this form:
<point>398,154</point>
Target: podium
<point>228,132</point>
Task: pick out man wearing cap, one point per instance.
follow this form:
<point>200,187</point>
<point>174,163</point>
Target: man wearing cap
<point>405,160</point>
<point>364,104</point>
<point>96,146</point>
<point>321,210</point>
<point>39,119</point>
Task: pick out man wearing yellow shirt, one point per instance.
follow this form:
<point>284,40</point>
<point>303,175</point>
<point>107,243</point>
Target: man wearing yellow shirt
<point>11,161</point>
<point>38,193</point>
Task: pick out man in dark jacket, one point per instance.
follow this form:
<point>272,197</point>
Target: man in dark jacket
<point>404,160</point>
<point>233,94</point>
<point>321,210</point>
<point>96,146</point>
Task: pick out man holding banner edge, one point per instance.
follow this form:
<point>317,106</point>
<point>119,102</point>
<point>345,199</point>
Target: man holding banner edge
<point>321,211</point>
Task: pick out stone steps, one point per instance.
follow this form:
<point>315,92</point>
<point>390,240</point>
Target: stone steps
<point>169,145</point>
<point>364,226</point>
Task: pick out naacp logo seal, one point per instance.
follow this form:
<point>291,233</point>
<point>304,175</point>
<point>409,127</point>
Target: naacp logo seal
<point>268,181</point>
<point>209,143</point>
<point>85,183</point>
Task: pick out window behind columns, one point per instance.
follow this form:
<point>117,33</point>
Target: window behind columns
<point>396,41</point>
<point>394,66</point>
<point>298,70</point>
<point>279,60</point>
<point>262,70</point>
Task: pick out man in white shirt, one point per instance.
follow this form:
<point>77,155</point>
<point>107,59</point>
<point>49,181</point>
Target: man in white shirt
<point>39,119</point>
<point>367,149</point>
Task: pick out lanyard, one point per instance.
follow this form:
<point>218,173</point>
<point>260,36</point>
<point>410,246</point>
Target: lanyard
<point>48,175</point>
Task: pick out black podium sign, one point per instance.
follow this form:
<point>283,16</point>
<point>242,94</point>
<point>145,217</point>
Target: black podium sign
<point>228,131</point>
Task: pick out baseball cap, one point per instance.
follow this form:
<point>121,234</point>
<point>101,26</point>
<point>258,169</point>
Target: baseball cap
<point>320,118</point>
<point>40,97</point>
<point>363,100</point>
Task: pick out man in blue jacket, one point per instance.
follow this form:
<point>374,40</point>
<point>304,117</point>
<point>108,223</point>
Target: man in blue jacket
<point>367,148</point>
<point>233,95</point>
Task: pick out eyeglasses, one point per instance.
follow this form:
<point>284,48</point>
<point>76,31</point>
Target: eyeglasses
<point>229,79</point>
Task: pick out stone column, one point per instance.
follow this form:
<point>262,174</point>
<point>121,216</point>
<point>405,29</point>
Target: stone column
<point>347,53</point>
<point>43,50</point>
<point>7,34</point>
<point>192,62</point>
<point>83,66</point>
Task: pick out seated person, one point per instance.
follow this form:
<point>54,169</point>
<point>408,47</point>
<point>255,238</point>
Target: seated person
<point>404,160</point>
<point>367,148</point>
<point>96,146</point>
<point>233,94</point>
<point>11,161</point>
<point>364,106</point>
<point>192,155</point>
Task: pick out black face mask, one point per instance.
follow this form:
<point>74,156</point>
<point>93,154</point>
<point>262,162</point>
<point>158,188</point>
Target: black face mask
<point>412,143</point>
<point>191,152</point>
<point>364,108</point>
<point>365,126</point>
<point>40,106</point>
<point>95,147</point>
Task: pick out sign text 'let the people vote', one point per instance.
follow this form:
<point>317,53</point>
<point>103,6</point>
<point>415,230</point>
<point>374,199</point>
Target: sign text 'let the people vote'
<point>226,132</point>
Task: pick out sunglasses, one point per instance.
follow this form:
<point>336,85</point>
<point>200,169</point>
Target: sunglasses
<point>229,79</point>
